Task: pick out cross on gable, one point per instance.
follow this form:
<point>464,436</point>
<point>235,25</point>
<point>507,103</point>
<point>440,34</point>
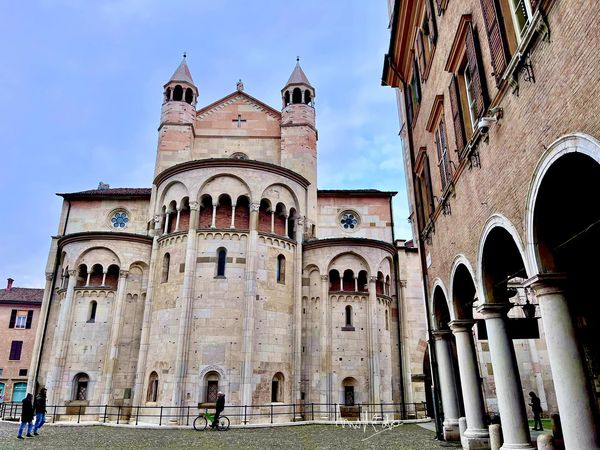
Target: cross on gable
<point>239,120</point>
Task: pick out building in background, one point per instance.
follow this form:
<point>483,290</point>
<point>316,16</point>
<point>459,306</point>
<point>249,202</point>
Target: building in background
<point>232,273</point>
<point>499,103</point>
<point>19,316</point>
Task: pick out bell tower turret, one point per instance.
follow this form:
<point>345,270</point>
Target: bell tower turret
<point>298,133</point>
<point>177,119</point>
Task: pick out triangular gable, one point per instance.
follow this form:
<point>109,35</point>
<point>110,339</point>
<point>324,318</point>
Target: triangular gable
<point>237,96</point>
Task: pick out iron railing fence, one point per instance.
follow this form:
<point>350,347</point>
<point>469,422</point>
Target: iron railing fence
<point>238,414</point>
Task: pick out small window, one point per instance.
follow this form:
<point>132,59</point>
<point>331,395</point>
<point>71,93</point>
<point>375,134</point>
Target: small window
<point>119,220</point>
<point>281,269</point>
<point>21,319</point>
<point>521,14</point>
<point>92,314</point>
<point>470,94</point>
<point>15,350</point>
<point>22,372</point>
<point>165,268</point>
<point>441,143</point>
<point>349,220</point>
<point>152,393</point>
<point>80,383</point>
<point>348,315</point>
<point>387,323</point>
<point>221,261</point>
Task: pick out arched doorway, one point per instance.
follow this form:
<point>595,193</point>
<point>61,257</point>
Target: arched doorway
<point>566,241</point>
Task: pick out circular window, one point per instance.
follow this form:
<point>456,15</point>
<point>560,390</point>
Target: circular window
<point>119,219</point>
<point>349,220</point>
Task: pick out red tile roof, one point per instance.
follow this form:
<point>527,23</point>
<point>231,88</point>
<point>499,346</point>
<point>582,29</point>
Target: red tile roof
<point>21,295</point>
<point>106,193</point>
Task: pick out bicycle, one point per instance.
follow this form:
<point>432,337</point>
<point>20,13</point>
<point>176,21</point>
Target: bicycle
<point>201,422</point>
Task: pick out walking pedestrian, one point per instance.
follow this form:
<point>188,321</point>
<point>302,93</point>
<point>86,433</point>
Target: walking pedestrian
<point>536,407</point>
<point>26,416</point>
<point>40,411</point>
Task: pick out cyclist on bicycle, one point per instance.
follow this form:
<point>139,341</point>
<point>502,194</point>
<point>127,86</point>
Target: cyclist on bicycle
<point>219,408</point>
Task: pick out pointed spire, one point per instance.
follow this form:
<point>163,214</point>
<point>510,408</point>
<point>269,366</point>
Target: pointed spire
<point>298,76</point>
<point>182,74</point>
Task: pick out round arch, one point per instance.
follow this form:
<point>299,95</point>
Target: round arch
<point>461,260</point>
<point>217,185</point>
<point>570,143</point>
<point>438,286</point>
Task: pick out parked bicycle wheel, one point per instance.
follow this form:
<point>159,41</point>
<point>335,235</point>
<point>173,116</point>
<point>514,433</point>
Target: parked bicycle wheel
<point>200,423</point>
<point>223,423</point>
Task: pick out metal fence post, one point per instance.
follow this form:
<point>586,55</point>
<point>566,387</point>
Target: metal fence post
<point>335,412</point>
<point>137,415</point>
<point>118,414</point>
<point>54,415</point>
<point>187,420</point>
<point>271,413</point>
<point>105,407</point>
<point>294,412</point>
<point>312,409</point>
<point>79,414</point>
<point>160,419</point>
<point>381,405</point>
<point>245,414</point>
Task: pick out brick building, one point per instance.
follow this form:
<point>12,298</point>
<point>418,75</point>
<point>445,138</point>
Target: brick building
<point>499,103</point>
<point>19,315</point>
<point>232,272</point>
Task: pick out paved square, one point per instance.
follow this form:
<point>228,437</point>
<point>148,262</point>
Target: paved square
<point>304,437</point>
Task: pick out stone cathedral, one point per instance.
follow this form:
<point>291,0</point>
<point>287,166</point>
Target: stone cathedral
<point>232,273</point>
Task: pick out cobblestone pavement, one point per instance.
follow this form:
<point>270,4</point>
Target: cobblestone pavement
<point>294,437</point>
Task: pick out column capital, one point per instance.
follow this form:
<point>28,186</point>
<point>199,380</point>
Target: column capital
<point>123,273</point>
<point>494,310</point>
<point>300,220</point>
<point>439,335</point>
<point>254,207</point>
<point>49,276</point>
<point>372,279</point>
<point>72,272</point>
<point>194,206</point>
<point>324,277</point>
<point>546,283</point>
<point>461,325</point>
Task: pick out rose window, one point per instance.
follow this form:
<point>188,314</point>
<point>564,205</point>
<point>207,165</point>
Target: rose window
<point>349,221</point>
<point>119,219</point>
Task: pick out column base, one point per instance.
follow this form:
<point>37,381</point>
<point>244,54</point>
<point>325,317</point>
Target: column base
<point>451,430</point>
<point>517,447</point>
<point>475,439</point>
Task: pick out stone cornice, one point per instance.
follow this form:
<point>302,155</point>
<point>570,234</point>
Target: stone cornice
<point>103,235</point>
<point>231,163</point>
<point>354,242</point>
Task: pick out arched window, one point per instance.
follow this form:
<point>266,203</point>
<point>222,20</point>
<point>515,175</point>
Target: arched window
<point>80,386</point>
<point>363,283</point>
<point>277,388</point>
<point>348,281</point>
<point>307,97</point>
<point>165,268</point>
<point>387,323</point>
<point>82,276</point>
<point>291,229</point>
<point>112,276</point>
<point>96,276</point>
<point>286,98</point>
<point>348,315</point>
<point>281,269</point>
<point>221,260</point>
<point>152,393</point>
<point>212,387</point>
<point>334,281</point>
<point>297,96</point>
<point>189,96</point>
<point>178,93</point>
<point>168,94</point>
<point>92,313</point>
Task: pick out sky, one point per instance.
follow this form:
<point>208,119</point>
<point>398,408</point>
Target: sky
<point>82,89</point>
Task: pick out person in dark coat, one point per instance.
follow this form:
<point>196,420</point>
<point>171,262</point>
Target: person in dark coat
<point>26,416</point>
<point>40,411</point>
<point>218,409</point>
<point>536,407</point>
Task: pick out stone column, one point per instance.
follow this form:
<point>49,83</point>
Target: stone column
<point>355,284</point>
<point>186,299</point>
<point>213,222</point>
<point>470,381</point>
<point>566,362</point>
<point>325,359</point>
<point>39,333</point>
<point>285,232</point>
<point>104,278</point>
<point>112,349</point>
<point>58,347</point>
<point>298,312</point>
<point>509,392</point>
<point>373,343</point>
<point>140,373</point>
<point>447,386</point>
<point>272,222</point>
<point>166,229</point>
<point>247,369</point>
<point>87,280</point>
<point>232,217</point>
<point>177,219</point>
